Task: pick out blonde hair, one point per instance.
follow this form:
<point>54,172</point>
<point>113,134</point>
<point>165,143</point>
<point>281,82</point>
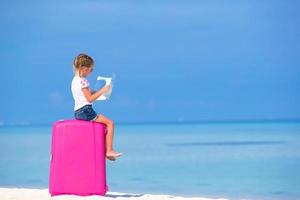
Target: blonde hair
<point>82,60</point>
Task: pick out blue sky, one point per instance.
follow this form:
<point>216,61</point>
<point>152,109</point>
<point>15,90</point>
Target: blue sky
<point>174,60</point>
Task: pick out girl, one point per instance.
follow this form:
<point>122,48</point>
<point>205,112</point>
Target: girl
<point>84,97</point>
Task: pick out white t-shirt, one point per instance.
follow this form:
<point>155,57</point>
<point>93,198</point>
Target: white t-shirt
<point>77,84</point>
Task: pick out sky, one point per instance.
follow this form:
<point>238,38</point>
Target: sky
<point>174,61</point>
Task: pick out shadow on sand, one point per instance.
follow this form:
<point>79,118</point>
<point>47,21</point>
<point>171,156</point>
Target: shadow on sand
<point>123,195</point>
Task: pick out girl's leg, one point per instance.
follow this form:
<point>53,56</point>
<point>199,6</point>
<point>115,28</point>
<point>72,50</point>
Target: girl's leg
<point>110,153</point>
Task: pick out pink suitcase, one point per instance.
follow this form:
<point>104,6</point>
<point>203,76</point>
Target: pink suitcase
<point>78,158</point>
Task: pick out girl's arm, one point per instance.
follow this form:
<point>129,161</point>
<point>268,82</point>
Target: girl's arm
<point>91,96</point>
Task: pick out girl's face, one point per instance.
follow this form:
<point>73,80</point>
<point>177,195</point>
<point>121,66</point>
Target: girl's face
<point>85,71</point>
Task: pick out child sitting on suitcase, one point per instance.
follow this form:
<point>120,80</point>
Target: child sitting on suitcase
<point>84,97</point>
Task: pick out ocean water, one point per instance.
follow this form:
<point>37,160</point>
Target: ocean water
<point>230,160</point>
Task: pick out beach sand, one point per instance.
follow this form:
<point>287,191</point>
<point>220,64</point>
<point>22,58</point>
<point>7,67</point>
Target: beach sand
<point>43,194</point>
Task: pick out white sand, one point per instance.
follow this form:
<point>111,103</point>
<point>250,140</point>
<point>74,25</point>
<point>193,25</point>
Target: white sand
<point>43,194</point>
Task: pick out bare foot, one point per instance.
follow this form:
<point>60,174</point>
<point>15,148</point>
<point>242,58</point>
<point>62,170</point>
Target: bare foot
<point>113,154</point>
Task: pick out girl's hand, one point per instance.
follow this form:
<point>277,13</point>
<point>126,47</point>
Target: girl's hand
<point>91,97</point>
<point>106,88</point>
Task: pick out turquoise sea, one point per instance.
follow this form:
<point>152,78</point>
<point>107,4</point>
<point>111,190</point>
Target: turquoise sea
<point>249,160</point>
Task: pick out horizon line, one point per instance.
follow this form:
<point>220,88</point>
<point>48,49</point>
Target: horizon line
<point>177,122</point>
